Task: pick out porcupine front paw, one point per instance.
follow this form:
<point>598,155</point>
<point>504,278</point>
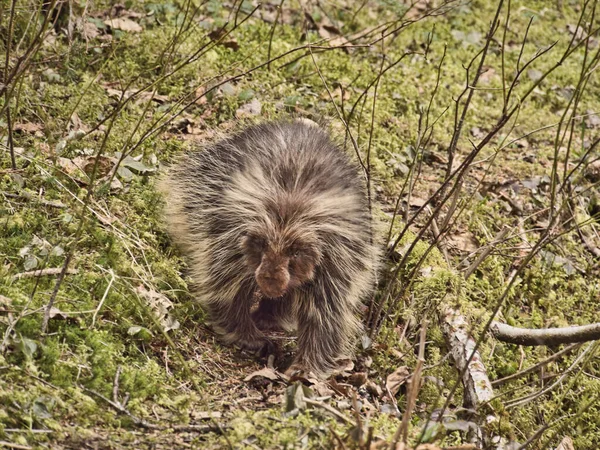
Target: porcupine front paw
<point>253,341</point>
<point>298,369</point>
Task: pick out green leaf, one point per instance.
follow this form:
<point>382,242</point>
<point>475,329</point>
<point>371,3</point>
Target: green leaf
<point>30,263</point>
<point>42,406</point>
<point>27,346</point>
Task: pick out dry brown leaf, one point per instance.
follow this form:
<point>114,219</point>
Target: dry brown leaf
<point>160,305</point>
<point>323,389</point>
<point>357,379</point>
<point>416,202</point>
<point>127,25</point>
<point>396,379</point>
<point>89,31</point>
<point>566,444</point>
<point>252,108</point>
<point>68,166</point>
<point>374,389</point>
<point>28,127</point>
<point>266,372</point>
<point>465,242</point>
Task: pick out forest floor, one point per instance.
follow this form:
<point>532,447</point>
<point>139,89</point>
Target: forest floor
<point>110,94</point>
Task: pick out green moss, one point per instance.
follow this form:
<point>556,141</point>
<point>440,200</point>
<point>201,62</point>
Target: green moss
<point>124,237</point>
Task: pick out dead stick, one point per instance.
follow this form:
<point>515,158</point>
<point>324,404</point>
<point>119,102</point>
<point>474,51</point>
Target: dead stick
<point>545,336</point>
<point>42,272</point>
<point>486,251</point>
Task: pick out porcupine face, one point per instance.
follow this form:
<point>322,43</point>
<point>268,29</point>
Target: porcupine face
<point>280,263</point>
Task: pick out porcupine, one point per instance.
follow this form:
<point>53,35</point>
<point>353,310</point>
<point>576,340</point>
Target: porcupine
<point>279,212</point>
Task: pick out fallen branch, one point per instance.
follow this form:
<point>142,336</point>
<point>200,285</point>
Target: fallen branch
<point>13,445</point>
<point>478,389</point>
<point>545,336</point>
<point>42,272</point>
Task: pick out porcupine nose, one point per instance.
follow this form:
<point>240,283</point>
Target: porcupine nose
<point>272,283</point>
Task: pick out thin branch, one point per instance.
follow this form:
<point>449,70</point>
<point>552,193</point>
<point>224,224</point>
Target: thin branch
<point>43,272</point>
<point>535,367</point>
<point>545,336</point>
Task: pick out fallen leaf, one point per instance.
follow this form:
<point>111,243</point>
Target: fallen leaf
<point>477,133</point>
<point>159,303</point>
<point>396,379</point>
<point>295,395</point>
<point>374,389</point>
<point>566,444</point>
<point>55,312</point>
<point>137,167</point>
<point>357,379</point>
<point>554,259</point>
<point>253,108</point>
<point>142,332</point>
<point>30,262</point>
<point>471,38</point>
<point>592,120</point>
<point>28,127</point>
<point>89,30</point>
<point>42,407</point>
<point>465,242</point>
<point>124,25</point>
<point>266,372</point>
<point>323,389</point>
<point>231,43</point>
<point>77,123</point>
<point>339,388</point>
<point>125,174</point>
<point>577,31</point>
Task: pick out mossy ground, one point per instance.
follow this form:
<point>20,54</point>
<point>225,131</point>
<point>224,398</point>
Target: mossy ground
<point>105,319</point>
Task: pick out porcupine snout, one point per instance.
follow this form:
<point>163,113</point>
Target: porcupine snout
<point>273,275</point>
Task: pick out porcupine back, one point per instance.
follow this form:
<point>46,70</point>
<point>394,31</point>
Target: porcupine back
<point>279,180</point>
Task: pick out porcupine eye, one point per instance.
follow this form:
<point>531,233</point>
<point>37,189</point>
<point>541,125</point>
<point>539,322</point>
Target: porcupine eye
<point>253,248</point>
<point>303,258</point>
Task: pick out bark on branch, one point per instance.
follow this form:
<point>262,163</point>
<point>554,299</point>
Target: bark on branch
<point>545,336</point>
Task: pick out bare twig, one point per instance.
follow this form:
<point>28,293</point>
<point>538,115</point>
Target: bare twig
<point>43,272</point>
<point>13,445</point>
<point>485,252</point>
<point>545,336</point>
<point>329,409</point>
<point>277,14</point>
<point>535,367</point>
<point>415,386</point>
<point>150,426</point>
<point>587,353</point>
<point>112,279</point>
<point>27,196</point>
